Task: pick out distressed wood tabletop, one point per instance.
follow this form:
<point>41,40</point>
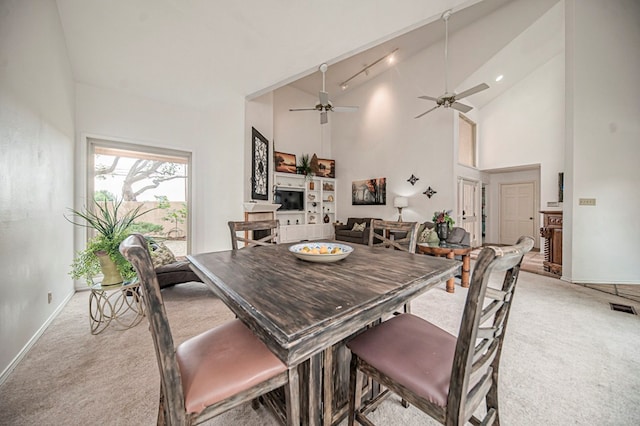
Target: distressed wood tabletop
<point>299,308</point>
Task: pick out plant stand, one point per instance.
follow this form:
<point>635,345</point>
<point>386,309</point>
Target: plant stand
<point>121,303</point>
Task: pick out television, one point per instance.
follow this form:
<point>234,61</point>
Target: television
<point>289,200</point>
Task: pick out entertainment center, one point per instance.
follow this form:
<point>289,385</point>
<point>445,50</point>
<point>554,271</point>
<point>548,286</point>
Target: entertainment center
<point>308,206</point>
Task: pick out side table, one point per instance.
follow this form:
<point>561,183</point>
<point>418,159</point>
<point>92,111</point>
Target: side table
<point>121,303</point>
<point>450,251</point>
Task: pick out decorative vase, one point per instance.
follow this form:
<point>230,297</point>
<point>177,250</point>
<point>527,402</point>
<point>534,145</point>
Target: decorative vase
<point>326,218</point>
<point>110,273</point>
<point>311,186</point>
<point>442,229</point>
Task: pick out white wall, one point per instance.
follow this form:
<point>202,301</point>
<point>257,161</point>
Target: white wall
<point>259,115</point>
<point>603,105</point>
<point>525,126</point>
<point>214,135</point>
<point>36,182</point>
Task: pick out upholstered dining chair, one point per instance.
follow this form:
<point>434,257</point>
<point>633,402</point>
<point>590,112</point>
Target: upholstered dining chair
<point>400,235</point>
<point>213,371</point>
<point>444,376</point>
<point>262,232</point>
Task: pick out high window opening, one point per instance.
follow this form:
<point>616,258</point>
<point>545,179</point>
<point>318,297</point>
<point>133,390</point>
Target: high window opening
<point>157,178</point>
<point>467,142</point>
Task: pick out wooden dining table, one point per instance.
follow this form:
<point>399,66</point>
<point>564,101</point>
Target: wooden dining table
<point>305,311</point>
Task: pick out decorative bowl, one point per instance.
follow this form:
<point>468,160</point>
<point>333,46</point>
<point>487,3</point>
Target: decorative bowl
<point>321,252</point>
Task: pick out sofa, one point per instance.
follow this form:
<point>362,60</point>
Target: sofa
<point>346,233</point>
<point>457,235</point>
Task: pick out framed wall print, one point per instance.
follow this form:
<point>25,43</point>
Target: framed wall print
<point>326,168</point>
<point>259,166</point>
<point>284,163</point>
<point>369,192</point>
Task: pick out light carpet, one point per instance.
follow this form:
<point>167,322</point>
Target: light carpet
<point>567,359</point>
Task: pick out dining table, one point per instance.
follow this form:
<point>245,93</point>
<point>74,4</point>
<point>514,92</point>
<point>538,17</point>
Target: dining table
<point>305,311</point>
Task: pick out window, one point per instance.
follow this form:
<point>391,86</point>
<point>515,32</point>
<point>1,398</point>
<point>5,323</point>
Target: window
<point>155,177</point>
<point>466,142</point>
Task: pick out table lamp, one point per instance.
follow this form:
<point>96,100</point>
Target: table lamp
<point>399,203</point>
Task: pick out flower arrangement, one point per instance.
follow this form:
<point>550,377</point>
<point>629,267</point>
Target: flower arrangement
<point>443,217</point>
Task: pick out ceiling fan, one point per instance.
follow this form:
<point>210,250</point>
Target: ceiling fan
<point>451,99</point>
<point>324,105</point>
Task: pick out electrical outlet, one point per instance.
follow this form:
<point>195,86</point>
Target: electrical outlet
<point>49,297</point>
<point>587,201</point>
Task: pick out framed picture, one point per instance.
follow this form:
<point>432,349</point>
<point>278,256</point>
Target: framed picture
<point>369,192</point>
<point>326,168</point>
<point>259,166</point>
<point>284,163</point>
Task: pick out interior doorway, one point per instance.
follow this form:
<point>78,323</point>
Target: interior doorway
<point>517,211</point>
<point>469,210</point>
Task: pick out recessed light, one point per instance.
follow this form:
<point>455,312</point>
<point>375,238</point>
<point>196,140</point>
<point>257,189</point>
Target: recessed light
<point>500,77</point>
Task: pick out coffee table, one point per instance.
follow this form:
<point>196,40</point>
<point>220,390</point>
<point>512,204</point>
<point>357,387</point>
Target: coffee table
<point>450,251</point>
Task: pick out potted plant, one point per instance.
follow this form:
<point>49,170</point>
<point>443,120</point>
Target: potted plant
<point>443,223</point>
<point>304,168</point>
<point>102,253</point>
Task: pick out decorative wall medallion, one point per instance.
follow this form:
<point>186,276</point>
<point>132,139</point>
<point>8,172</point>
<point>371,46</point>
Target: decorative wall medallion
<point>413,179</point>
<point>259,166</point>
<point>429,192</point>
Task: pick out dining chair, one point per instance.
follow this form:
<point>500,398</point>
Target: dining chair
<point>262,232</point>
<point>213,371</point>
<point>444,376</point>
<point>400,235</point>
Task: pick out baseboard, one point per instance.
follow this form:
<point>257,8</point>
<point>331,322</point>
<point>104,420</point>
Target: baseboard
<point>12,365</point>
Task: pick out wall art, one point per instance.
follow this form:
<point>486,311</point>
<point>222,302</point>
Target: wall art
<point>259,166</point>
<point>326,168</point>
<point>284,163</point>
<point>369,192</point>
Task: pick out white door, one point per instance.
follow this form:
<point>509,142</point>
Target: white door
<point>469,209</point>
<point>516,211</point>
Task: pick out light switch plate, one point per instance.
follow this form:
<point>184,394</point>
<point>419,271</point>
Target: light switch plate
<point>587,201</point>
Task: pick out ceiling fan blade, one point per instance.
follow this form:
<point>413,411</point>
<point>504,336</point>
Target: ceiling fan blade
<point>427,111</point>
<point>480,87</point>
<point>461,107</point>
<point>302,109</point>
<point>344,108</point>
<point>428,98</point>
<point>324,98</point>
<point>324,118</point>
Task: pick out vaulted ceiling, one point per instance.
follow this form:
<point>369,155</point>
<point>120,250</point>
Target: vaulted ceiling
<point>194,53</point>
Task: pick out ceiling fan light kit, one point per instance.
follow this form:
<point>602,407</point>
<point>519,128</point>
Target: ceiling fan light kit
<point>450,99</point>
<point>324,105</point>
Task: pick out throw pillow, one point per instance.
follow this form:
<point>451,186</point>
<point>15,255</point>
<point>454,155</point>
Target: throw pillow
<point>428,236</point>
<point>359,226</point>
<point>161,255</point>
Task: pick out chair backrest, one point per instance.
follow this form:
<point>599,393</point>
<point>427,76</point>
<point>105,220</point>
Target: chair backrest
<point>134,249</point>
<point>255,233</point>
<point>482,330</point>
<point>401,235</point>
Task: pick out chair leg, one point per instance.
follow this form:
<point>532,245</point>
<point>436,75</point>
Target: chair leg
<point>255,403</point>
<point>355,390</point>
<point>292,397</point>
<point>161,414</point>
<point>492,401</point>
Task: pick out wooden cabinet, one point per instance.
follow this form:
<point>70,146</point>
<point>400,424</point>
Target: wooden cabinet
<point>319,202</point>
<point>552,234</point>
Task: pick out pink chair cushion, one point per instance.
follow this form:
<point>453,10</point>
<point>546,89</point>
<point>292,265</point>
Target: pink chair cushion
<point>412,352</point>
<point>221,362</point>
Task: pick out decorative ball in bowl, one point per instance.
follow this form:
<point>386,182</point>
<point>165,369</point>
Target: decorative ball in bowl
<point>321,252</point>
